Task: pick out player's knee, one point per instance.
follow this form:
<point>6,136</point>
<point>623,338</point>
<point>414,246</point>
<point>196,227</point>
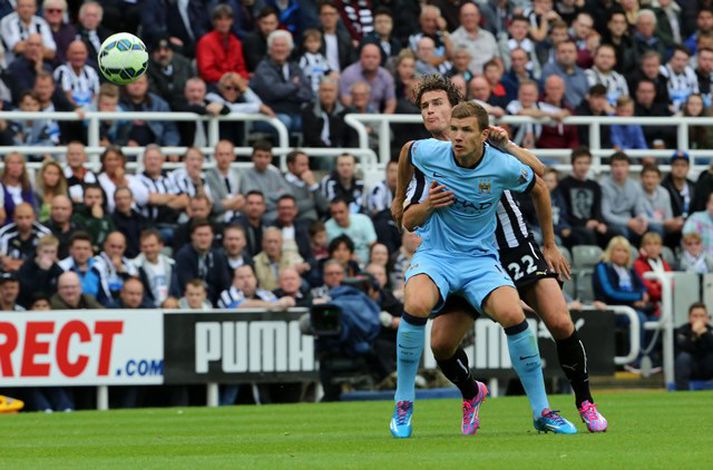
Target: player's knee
<point>560,326</point>
<point>418,308</point>
<point>443,347</point>
<point>510,317</point>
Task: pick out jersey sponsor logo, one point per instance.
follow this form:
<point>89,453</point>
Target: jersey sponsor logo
<point>524,175</point>
<point>468,207</point>
<point>484,185</point>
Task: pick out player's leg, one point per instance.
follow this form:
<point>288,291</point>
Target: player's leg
<point>447,333</point>
<point>421,296</point>
<point>545,296</point>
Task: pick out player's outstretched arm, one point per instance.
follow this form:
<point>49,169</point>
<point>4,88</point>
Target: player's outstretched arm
<point>405,173</point>
<point>415,215</point>
<point>543,207</point>
<point>500,139</point>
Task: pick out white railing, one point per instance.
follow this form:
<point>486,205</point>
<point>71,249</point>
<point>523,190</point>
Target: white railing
<point>665,323</point>
<point>381,124</point>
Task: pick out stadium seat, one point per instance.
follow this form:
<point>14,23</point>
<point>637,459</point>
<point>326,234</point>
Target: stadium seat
<point>586,256</point>
<point>585,290</point>
<point>569,287</point>
<point>669,257</point>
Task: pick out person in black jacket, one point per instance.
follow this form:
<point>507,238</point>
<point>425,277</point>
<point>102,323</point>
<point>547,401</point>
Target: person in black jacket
<point>334,133</point>
<point>681,190</point>
<point>40,273</point>
<point>694,348</point>
<point>168,70</point>
<point>199,260</point>
<point>290,285</point>
<point>295,233</point>
<point>334,37</point>
<point>255,43</point>
<point>127,220</point>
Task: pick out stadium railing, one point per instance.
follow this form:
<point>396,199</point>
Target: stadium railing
<point>665,323</point>
<point>381,124</point>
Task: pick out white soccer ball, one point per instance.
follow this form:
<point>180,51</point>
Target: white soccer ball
<point>123,58</point>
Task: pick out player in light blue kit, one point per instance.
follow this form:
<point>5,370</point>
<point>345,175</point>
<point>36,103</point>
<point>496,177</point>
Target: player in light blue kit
<point>458,254</point>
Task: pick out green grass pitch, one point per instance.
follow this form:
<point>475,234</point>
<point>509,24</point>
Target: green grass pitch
<point>647,430</point>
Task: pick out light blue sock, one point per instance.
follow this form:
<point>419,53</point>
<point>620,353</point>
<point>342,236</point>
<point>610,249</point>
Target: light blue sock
<point>409,346</point>
<point>525,358</point>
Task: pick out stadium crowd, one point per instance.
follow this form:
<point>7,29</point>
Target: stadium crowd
<point>220,237</point>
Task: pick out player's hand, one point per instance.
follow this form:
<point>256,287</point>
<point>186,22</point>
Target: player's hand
<point>439,196</point>
<point>556,261</point>
<point>498,137</point>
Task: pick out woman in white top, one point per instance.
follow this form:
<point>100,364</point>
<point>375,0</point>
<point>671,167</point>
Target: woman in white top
<point>113,175</point>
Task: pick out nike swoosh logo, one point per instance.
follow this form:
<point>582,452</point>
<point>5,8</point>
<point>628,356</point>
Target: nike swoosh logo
<point>569,367</point>
<point>436,175</point>
<point>522,358</point>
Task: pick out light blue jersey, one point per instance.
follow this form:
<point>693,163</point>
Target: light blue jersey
<point>468,225</point>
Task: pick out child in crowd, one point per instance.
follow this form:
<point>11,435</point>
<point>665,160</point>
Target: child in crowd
<point>35,131</point>
<point>318,240</point>
<point>312,62</point>
<point>627,136</point>
<point>650,260</point>
<point>195,297</point>
<point>693,258</point>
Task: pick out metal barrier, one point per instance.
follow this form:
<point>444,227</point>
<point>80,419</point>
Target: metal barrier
<point>381,123</point>
<point>665,323</point>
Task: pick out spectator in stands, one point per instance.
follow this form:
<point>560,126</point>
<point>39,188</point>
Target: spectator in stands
<point>49,183</point>
<point>280,82</point>
<point>627,136</point>
<point>526,135</point>
<point>40,132</point>
<point>75,173</point>
<point>131,296</point>
<point>405,72</point>
<point>252,221</point>
<point>233,95</point>
<point>559,211</point>
<point>69,294</point>
<point>265,178</point>
<point>367,69</point>
<point>78,81</point>
<point>18,239</point>
<point>82,263</point>
<point>111,132</point>
<point>313,63</point>
<point>704,25</point>
<point>702,223</point>
<point>586,38</point>
<point>235,248</point>
<point>15,185</point>
<point>479,42</point>
<point>693,258</point>
<point>647,106</point>
<point>224,182</point>
<point>113,175</point>
<point>318,240</point>
<point>658,203</point>
<point>433,25</point>
<point>460,66</point>
<point>194,100</point>
<point>196,296</point>
<point>680,189</point>
<point>558,135</point>
<point>164,204</point>
<point>650,260</point>
<point>681,78</point>
<point>61,224</point>
<point>255,43</point>
<point>183,23</point>
<point>332,276</point>
<point>40,273</point>
<point>623,204</point>
<point>290,285</point>
<point>92,215</point>
<point>128,220</point>
<point>603,73</point>
<point>190,179</point>
<point>575,80</point>
<point>704,187</point>
<point>156,271</point>
<point>295,235</point>
<point>382,35</point>
<point>245,293</point>
<point>358,227</point>
<point>704,72</point>
<point>594,104</point>
<point>9,292</point>
<point>645,38</point>
<point>22,71</point>
<point>650,69</point>
<point>341,249</point>
<point>359,94</point>
<point>323,119</point>
<point>517,39</point>
<point>617,34</point>
<point>425,50</point>
<point>546,49</point>
<point>337,45</point>
<point>518,72</point>
<point>304,186</point>
<point>40,301</point>
<point>343,183</point>
<point>199,207</point>
<point>91,30</point>
<point>493,73</point>
<point>199,260</point>
<point>220,51</point>
<point>699,137</point>
<point>694,348</point>
<point>63,33</point>
<point>168,71</point>
<point>668,19</point>
<point>17,27</point>
<point>114,268</point>
<point>616,283</point>
<point>142,133</point>
<point>273,258</point>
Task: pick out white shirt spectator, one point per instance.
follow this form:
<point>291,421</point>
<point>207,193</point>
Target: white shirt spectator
<point>138,190</point>
<point>379,198</point>
<point>13,30</point>
<point>181,183</point>
<point>614,81</point>
<point>519,132</point>
<point>232,298</point>
<point>84,87</point>
<point>679,85</point>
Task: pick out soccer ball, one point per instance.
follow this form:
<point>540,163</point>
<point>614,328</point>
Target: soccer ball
<point>123,58</point>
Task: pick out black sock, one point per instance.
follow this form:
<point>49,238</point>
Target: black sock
<point>573,361</point>
<point>456,370</point>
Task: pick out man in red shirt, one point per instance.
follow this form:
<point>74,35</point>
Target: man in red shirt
<point>220,51</point>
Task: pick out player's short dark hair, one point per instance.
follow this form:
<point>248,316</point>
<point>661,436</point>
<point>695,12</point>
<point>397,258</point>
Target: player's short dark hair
<point>339,241</point>
<point>150,232</point>
<point>580,152</point>
<point>254,192</point>
<point>436,82</point>
<point>80,235</point>
<point>469,109</point>
<point>697,305</point>
<point>199,223</point>
<point>650,168</point>
<point>620,157</point>
<point>262,145</point>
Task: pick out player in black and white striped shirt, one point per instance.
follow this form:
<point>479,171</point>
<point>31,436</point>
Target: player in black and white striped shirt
<point>19,239</point>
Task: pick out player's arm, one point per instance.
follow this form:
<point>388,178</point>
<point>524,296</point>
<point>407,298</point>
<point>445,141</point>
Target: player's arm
<point>415,215</point>
<point>543,206</point>
<point>405,173</point>
<point>499,138</point>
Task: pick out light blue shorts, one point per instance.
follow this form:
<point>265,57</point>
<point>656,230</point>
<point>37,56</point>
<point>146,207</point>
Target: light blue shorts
<point>473,277</point>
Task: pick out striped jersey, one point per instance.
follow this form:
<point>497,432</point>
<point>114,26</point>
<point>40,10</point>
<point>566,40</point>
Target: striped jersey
<point>84,85</point>
<point>12,245</point>
<point>233,297</point>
